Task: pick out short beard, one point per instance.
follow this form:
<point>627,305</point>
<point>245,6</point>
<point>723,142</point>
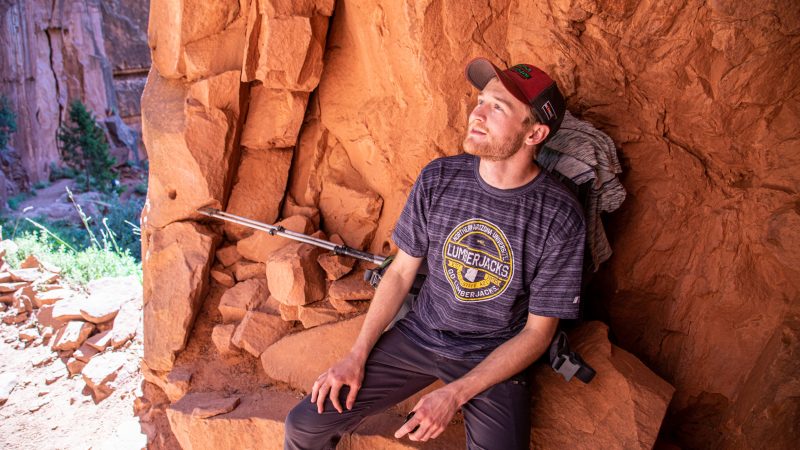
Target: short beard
<point>494,151</point>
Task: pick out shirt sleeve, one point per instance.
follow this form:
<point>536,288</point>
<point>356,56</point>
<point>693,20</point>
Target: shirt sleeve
<point>410,233</point>
<point>556,288</point>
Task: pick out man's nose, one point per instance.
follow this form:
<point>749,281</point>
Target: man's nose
<point>478,112</point>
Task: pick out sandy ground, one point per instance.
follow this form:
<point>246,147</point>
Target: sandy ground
<point>62,415</point>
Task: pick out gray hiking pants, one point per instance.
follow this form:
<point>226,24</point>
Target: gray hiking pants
<point>497,418</point>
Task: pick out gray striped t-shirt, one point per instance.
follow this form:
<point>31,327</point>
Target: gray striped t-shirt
<point>493,256</point>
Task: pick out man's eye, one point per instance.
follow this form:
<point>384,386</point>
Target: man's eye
<point>498,107</point>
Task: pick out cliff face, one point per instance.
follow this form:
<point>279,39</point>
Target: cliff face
<point>54,52</point>
<point>273,109</point>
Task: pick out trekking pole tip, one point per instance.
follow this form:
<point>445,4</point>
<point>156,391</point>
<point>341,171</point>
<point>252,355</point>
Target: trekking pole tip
<point>207,210</point>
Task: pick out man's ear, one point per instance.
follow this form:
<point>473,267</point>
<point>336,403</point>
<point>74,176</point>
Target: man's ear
<point>537,134</point>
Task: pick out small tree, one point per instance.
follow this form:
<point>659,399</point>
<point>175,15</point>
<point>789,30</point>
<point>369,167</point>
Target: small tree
<point>8,121</point>
<point>84,148</point>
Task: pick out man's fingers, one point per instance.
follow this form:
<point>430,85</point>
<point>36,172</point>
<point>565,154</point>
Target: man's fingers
<point>315,391</point>
<point>406,428</point>
<point>323,392</point>
<point>351,396</point>
<point>429,433</point>
<point>334,396</point>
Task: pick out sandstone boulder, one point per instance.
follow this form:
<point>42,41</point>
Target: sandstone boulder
<point>44,316</point>
<point>222,276</point>
<point>291,208</point>
<point>270,27</point>
<point>218,52</point>
<point>317,314</point>
<point>85,352</point>
<point>101,373</point>
<point>235,302</point>
<point>336,266</point>
<point>289,313</point>
<point>261,245</point>
<point>68,309</point>
<point>213,420</point>
<point>261,177</point>
<point>26,275</point>
<point>258,330</point>
<point>74,367</point>
<point>11,286</point>
<point>29,335</point>
<point>269,306</point>
<point>51,296</point>
<point>196,39</point>
<point>228,255</point>
<point>100,341</point>
<point>175,280</point>
<point>245,270</point>
<point>107,295</point>
<point>273,121</point>
<point>352,287</point>
<point>126,324</point>
<point>72,335</point>
<point>348,306</point>
<point>328,344</point>
<point>13,317</point>
<point>622,407</point>
<point>352,214</point>
<point>188,130</point>
<point>221,336</point>
<point>295,276</point>
<point>178,383</point>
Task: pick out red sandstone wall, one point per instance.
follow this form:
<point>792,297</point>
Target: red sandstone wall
<point>700,97</point>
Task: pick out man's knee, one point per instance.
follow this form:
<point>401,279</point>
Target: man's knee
<point>301,427</point>
<point>305,429</point>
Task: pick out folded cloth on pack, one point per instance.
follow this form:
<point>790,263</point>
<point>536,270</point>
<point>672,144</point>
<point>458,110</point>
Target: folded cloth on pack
<point>582,153</point>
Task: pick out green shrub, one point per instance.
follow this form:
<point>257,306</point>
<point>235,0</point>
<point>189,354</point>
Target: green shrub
<point>141,188</point>
<point>16,200</point>
<point>102,248</point>
<point>58,172</point>
<point>8,121</point>
<point>77,266</point>
<point>84,149</point>
<point>121,224</point>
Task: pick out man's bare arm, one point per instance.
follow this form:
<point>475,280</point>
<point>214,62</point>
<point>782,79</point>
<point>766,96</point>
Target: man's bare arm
<point>435,410</point>
<point>386,302</point>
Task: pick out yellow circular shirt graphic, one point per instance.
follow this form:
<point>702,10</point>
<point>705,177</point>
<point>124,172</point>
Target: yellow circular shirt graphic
<point>477,260</point>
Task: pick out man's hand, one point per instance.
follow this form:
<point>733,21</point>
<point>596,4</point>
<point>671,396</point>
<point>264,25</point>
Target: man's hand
<point>432,414</point>
<point>349,371</point>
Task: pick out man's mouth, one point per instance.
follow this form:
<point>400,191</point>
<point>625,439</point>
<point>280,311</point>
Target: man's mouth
<point>477,132</point>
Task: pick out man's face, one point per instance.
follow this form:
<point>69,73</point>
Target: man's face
<point>497,125</point>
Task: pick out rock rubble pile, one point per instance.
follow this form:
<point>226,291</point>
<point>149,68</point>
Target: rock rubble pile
<point>84,329</point>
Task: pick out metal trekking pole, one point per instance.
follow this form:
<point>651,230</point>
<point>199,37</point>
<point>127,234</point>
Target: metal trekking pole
<point>278,230</point>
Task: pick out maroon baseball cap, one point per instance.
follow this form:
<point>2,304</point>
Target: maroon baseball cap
<point>527,83</point>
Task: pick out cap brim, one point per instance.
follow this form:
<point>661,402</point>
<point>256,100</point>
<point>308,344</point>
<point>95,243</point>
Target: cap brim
<point>480,70</point>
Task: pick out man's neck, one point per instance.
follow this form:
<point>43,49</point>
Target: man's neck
<point>510,173</point>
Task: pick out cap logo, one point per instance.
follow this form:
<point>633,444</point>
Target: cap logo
<point>522,70</point>
<point>548,110</point>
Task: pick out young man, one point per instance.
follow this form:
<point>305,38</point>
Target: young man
<point>504,246</point>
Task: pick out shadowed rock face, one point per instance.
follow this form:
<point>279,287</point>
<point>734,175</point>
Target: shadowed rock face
<point>701,99</point>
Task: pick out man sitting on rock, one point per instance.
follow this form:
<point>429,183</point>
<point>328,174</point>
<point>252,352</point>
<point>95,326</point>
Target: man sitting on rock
<point>504,245</point>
